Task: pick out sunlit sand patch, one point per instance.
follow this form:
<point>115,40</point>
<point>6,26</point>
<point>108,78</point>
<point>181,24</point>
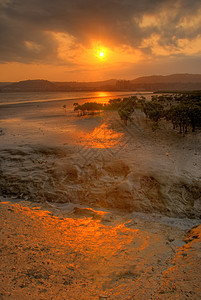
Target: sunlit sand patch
<point>46,256</point>
<point>87,213</point>
<point>95,257</point>
<point>101,137</point>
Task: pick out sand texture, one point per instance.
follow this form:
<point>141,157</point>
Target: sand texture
<point>91,207</point>
<point>100,162</point>
<point>49,257</point>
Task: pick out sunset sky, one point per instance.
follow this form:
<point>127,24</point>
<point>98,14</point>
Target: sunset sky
<point>89,40</point>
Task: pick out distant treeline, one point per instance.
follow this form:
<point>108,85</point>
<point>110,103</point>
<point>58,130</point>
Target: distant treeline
<point>183,110</point>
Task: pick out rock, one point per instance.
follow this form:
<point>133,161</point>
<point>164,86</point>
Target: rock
<point>116,168</point>
<point>86,213</point>
<point>101,297</point>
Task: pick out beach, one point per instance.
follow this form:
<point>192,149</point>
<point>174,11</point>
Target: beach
<point>90,206</point>
<point>83,255</point>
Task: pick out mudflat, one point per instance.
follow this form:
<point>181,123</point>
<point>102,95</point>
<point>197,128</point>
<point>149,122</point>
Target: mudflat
<point>90,206</point>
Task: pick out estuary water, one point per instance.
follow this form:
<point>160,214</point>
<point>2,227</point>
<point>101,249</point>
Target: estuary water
<point>103,97</point>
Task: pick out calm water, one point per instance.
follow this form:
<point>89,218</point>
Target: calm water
<point>103,97</point>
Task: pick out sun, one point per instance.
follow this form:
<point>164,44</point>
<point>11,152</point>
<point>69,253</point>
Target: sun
<point>100,52</point>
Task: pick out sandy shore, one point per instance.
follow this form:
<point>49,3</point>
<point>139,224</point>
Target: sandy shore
<point>82,257</point>
<point>98,208</point>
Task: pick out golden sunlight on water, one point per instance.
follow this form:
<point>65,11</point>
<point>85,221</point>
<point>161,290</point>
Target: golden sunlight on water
<point>103,94</point>
<point>103,97</point>
<point>101,137</point>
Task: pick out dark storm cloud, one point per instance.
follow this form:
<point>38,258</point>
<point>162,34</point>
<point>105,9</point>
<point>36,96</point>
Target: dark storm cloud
<point>24,24</point>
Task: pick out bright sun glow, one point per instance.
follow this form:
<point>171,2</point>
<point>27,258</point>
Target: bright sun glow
<point>100,52</point>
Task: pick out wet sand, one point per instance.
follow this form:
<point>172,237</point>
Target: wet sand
<point>48,257</point>
<point>99,208</point>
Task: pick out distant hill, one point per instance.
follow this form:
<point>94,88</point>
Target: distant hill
<point>176,82</point>
<point>88,86</point>
<point>174,78</point>
<point>41,85</point>
<point>29,86</point>
<point>4,84</point>
<point>168,82</point>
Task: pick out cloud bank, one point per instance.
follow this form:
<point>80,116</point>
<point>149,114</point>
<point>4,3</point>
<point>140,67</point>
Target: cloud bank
<point>63,32</point>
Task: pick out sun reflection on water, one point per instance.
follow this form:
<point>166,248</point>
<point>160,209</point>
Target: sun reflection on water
<point>101,137</point>
<point>103,97</point>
